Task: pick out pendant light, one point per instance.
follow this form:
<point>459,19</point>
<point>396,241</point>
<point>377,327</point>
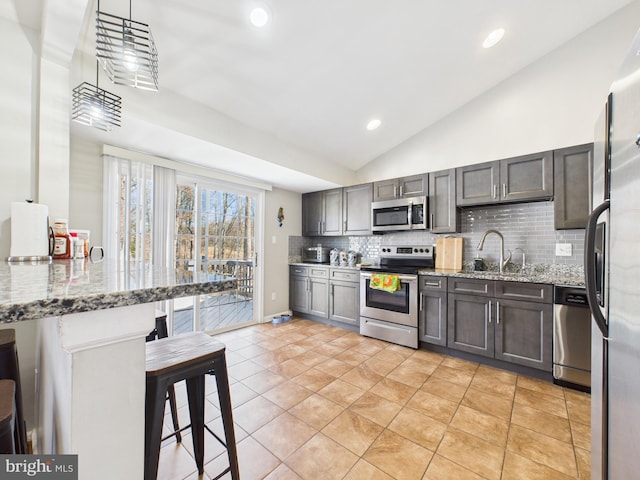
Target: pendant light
<point>126,51</point>
<point>95,107</point>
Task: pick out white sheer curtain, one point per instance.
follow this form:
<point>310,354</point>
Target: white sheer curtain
<point>127,210</point>
<point>164,202</point>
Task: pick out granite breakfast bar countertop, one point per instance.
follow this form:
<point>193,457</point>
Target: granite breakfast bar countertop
<point>30,291</point>
<point>86,338</point>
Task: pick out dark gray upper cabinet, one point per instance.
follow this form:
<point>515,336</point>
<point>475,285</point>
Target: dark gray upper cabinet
<point>312,210</point>
<point>443,214</point>
<point>528,177</point>
<point>403,187</point>
<point>524,178</point>
<point>332,218</point>
<point>356,213</point>
<point>477,184</point>
<point>339,211</point>
<point>322,213</point>
<point>572,172</point>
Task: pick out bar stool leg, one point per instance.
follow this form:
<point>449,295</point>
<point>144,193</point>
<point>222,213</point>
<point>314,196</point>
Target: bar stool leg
<point>174,412</point>
<point>195,392</point>
<point>224,396</point>
<point>155,395</point>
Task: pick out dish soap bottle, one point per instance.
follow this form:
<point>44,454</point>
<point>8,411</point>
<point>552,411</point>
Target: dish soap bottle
<point>61,240</point>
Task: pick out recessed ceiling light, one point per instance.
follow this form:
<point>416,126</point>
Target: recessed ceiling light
<point>373,124</point>
<point>259,17</point>
<point>493,38</point>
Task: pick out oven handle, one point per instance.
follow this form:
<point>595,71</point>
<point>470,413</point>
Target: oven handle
<point>403,278</point>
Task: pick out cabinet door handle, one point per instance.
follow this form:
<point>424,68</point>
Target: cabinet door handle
<point>401,191</point>
<point>489,311</point>
<point>319,227</point>
<point>395,191</point>
<point>497,313</point>
<point>433,221</point>
<point>432,284</point>
<point>344,227</point>
<point>504,190</point>
<point>421,301</point>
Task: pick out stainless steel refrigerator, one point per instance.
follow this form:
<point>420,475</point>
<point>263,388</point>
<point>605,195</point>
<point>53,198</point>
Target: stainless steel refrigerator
<point>612,270</point>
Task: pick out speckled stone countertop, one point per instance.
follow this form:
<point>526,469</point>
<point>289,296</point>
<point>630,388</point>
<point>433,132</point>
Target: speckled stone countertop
<point>551,274</point>
<point>309,264</point>
<point>30,291</point>
<point>568,275</point>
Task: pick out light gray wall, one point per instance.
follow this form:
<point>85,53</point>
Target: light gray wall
<point>550,104</point>
<point>85,182</point>
<point>18,88</point>
<point>276,247</point>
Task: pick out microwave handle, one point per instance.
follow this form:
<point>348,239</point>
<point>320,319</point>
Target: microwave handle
<point>410,215</point>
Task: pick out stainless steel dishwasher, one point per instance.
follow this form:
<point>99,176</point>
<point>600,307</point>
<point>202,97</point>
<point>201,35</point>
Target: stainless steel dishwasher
<point>571,338</point>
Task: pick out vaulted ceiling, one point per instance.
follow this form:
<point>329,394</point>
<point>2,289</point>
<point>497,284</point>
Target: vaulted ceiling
<point>318,72</point>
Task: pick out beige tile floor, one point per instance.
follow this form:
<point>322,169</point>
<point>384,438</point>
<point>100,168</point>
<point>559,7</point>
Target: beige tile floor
<point>313,401</point>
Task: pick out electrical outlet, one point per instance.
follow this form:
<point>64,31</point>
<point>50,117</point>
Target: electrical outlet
<point>273,239</point>
<point>563,249</point>
<point>273,295</point>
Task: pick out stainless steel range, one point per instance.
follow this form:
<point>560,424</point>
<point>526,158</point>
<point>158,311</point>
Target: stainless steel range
<point>393,315</point>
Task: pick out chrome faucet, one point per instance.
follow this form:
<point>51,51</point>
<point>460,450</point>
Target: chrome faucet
<point>503,261</point>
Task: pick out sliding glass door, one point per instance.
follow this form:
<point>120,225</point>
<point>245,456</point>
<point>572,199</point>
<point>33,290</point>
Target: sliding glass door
<point>215,234</point>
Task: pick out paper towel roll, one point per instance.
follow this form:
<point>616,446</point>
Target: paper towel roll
<point>29,230</point>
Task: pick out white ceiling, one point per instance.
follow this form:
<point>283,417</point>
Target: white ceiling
<point>319,71</point>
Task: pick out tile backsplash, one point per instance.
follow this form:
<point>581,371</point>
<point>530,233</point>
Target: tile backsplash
<point>526,227</point>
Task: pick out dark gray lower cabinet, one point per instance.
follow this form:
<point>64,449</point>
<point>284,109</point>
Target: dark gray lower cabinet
<point>344,296</point>
<point>309,290</point>
<point>432,313</point>
<point>299,293</point>
<point>343,302</point>
<point>523,333</point>
<point>492,324</point>
<point>470,328</point>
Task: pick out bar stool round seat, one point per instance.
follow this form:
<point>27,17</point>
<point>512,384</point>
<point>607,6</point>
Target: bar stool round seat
<point>7,416</point>
<point>188,357</point>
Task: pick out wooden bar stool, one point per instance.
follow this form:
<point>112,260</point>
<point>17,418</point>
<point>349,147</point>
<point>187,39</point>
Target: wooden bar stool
<point>161,331</point>
<point>189,356</point>
<point>7,416</point>
<point>10,370</point>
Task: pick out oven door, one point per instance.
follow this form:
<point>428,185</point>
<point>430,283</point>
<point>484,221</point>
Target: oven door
<point>399,307</point>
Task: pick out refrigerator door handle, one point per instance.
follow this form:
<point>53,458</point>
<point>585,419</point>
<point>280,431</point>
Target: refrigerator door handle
<point>590,268</point>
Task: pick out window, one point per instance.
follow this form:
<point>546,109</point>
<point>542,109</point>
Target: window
<point>156,215</point>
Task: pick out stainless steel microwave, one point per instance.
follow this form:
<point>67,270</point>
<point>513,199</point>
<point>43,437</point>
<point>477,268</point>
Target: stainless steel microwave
<point>399,214</point>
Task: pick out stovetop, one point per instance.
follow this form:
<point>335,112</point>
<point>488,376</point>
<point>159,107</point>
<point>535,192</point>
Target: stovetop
<point>408,259</point>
